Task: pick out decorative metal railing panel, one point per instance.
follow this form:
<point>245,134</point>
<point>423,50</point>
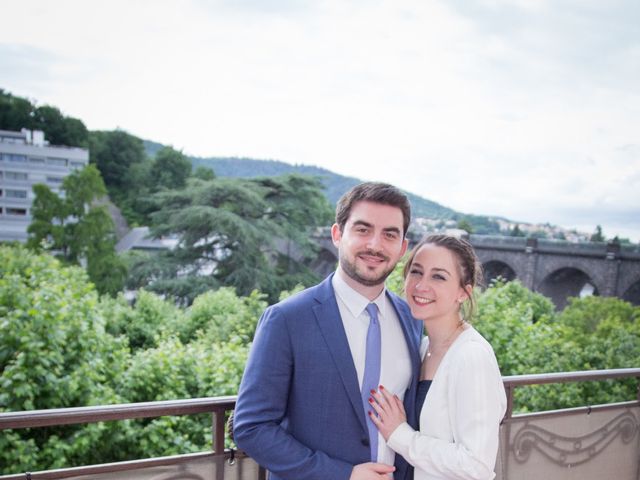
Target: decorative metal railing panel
<point>584,444</point>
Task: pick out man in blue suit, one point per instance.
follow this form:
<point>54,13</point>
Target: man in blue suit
<point>300,411</point>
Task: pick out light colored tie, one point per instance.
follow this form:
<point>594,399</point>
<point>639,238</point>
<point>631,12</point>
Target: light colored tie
<point>371,377</point>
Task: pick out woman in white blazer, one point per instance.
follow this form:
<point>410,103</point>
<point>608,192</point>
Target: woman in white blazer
<point>461,398</point>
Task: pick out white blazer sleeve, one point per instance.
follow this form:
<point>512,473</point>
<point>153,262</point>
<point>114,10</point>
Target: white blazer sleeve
<point>476,404</point>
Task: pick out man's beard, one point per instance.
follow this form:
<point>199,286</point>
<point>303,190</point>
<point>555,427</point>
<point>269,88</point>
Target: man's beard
<point>350,269</point>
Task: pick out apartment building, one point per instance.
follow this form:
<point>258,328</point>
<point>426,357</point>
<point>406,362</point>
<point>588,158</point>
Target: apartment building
<point>26,158</point>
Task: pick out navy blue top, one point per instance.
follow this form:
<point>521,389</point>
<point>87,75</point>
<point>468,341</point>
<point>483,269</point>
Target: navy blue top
<point>423,388</point>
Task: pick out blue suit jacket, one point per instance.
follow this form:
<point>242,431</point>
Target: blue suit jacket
<point>299,411</point>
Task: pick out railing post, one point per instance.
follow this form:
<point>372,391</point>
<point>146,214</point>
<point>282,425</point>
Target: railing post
<point>509,391</point>
<point>218,430</point>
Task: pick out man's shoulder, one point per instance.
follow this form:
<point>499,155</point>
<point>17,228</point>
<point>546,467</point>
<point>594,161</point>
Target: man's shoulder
<point>306,297</point>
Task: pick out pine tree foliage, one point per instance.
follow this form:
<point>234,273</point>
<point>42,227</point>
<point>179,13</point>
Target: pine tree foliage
<point>246,234</point>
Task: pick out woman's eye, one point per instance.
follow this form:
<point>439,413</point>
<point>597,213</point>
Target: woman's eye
<point>415,272</point>
<point>438,277</point>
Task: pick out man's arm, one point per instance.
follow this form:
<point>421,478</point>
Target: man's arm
<point>262,404</point>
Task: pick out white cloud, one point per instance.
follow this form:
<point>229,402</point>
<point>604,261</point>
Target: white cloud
<point>521,109</point>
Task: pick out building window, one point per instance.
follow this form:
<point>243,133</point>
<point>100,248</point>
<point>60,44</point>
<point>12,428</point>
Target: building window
<point>36,159</point>
<point>16,211</point>
<point>55,179</point>
<point>59,162</point>
<point>77,165</point>
<point>15,193</point>
<point>12,157</point>
<point>15,176</point>
<point>12,139</point>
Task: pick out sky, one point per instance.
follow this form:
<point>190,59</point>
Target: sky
<point>525,109</point>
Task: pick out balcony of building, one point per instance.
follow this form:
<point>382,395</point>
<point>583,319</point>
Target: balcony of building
<point>587,442</point>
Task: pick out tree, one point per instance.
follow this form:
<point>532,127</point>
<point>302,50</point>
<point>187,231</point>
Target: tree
<point>77,229</point>
<point>54,352</point>
<point>507,314</point>
<point>62,346</point>
<point>146,323</point>
<point>223,316</point>
<point>464,224</point>
<point>17,113</point>
<point>516,232</point>
<point>58,129</point>
<point>528,336</point>
<point>170,169</point>
<point>480,225</point>
<point>114,153</point>
<point>244,233</point>
<point>597,236</point>
<point>204,173</point>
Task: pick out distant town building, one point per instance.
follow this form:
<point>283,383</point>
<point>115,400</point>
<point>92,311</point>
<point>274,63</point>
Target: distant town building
<point>26,158</point>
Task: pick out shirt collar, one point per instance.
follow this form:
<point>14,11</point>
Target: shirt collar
<point>354,301</point>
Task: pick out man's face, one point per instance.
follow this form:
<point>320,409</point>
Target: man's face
<point>371,243</point>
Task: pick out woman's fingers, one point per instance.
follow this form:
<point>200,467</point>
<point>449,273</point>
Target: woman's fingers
<point>385,403</point>
<point>386,411</point>
<point>376,419</point>
<point>381,396</point>
<point>377,407</point>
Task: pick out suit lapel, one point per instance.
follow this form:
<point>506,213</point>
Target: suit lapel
<point>410,333</point>
<point>330,325</point>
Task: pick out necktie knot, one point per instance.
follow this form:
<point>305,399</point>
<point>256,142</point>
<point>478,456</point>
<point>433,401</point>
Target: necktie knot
<point>372,310</point>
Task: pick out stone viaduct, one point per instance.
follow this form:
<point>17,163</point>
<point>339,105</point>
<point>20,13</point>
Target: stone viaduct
<point>556,269</point>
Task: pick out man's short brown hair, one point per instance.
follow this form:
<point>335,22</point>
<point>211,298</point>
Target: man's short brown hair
<point>375,192</point>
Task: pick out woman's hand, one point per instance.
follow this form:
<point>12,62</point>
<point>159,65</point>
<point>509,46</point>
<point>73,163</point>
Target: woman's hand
<point>390,411</point>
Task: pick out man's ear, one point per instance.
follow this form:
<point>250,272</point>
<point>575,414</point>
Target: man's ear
<point>405,245</point>
<point>336,234</point>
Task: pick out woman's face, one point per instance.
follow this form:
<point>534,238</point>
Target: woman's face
<point>432,285</point>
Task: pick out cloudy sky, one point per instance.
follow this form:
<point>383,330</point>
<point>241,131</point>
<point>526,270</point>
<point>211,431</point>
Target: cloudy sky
<point>527,109</point>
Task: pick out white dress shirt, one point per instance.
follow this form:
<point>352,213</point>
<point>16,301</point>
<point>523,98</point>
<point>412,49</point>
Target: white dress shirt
<point>395,370</point>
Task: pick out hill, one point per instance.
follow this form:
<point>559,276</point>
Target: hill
<point>335,185</point>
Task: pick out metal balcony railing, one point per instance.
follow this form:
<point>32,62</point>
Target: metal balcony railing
<point>588,442</point>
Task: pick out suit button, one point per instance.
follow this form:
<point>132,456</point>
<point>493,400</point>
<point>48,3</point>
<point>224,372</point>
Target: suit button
<point>365,442</point>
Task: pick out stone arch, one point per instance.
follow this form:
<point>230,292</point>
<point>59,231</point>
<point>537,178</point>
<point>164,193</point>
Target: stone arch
<point>497,268</point>
<point>566,282</point>
<point>628,277</point>
<point>512,264</point>
<point>632,294</point>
